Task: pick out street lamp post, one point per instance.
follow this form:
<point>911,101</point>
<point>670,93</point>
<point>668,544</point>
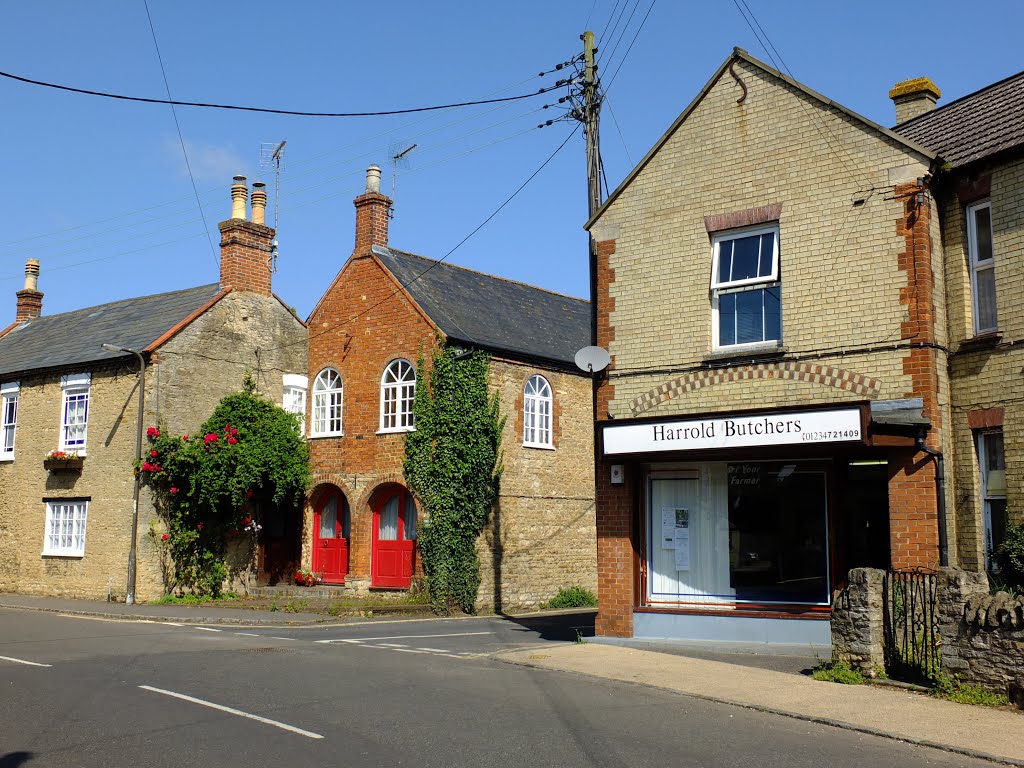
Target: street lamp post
<point>132,550</point>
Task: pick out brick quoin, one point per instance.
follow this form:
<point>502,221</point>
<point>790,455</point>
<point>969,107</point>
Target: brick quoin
<point>913,500</point>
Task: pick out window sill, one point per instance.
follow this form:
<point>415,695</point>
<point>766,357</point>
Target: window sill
<point>752,352</point>
<point>326,434</point>
<point>6,457</point>
<point>985,340</point>
<point>395,430</point>
<point>539,446</point>
<point>75,555</point>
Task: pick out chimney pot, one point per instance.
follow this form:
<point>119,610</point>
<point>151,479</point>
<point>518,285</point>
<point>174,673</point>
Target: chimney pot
<point>259,203</point>
<point>913,98</point>
<point>373,178</point>
<point>239,193</point>
<point>30,299</point>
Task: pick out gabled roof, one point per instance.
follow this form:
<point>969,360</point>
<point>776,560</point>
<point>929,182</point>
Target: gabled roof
<point>490,312</point>
<point>974,126</point>
<point>742,55</point>
<point>75,338</point>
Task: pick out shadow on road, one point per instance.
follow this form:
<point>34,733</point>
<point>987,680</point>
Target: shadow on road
<point>565,627</point>
<point>14,759</point>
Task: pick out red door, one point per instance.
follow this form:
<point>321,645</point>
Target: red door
<point>330,539</point>
<point>394,540</point>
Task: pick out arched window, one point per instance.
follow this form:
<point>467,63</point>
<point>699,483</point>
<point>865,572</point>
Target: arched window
<point>327,392</point>
<point>397,393</point>
<point>537,413</point>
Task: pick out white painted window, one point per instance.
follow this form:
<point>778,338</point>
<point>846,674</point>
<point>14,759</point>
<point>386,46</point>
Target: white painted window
<point>397,395</point>
<point>983,272</point>
<point>294,399</point>
<point>746,292</point>
<point>74,412</point>
<point>992,463</point>
<point>8,419</point>
<point>327,403</point>
<point>537,405</point>
<point>65,527</point>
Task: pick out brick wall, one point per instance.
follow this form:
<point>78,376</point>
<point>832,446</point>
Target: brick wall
<point>245,253</point>
<point>987,375</point>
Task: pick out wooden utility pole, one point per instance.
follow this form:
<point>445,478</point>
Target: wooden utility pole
<point>591,111</point>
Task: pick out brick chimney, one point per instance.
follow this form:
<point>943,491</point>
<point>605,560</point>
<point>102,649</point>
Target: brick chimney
<point>372,214</point>
<point>914,97</point>
<point>246,246</point>
<point>30,298</point>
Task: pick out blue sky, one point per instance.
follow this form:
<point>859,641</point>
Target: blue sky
<point>98,190</point>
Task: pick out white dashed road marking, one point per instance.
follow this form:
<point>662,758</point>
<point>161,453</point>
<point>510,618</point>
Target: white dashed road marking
<point>229,710</point>
<point>402,637</point>
<point>208,629</point>
<point>22,661</point>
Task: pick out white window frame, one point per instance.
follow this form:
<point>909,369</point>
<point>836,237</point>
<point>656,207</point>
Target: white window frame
<point>74,431</point>
<point>8,419</point>
<point>720,288</point>
<point>64,535</point>
<point>399,392</point>
<point>990,490</point>
<point>328,397</point>
<point>980,265</point>
<point>538,413</point>
<point>293,397</point>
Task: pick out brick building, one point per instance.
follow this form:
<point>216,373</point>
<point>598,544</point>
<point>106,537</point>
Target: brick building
<point>383,311</point>
<point>980,194</point>
<point>66,529</point>
<point>770,289</point>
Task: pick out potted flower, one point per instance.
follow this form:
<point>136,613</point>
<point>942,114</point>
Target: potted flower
<point>59,461</point>
<point>306,578</point>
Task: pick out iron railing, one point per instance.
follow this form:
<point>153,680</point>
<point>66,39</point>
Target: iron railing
<point>911,628</point>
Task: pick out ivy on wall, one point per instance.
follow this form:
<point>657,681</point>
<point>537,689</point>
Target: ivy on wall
<point>205,485</point>
<point>452,467</point>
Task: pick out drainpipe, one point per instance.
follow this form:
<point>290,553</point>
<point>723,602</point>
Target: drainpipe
<point>133,549</point>
<point>940,491</point>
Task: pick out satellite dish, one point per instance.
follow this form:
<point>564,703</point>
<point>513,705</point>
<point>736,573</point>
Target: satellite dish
<point>592,359</point>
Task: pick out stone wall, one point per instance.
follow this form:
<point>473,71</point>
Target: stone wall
<point>981,635</point>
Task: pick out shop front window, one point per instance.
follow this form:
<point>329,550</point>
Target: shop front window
<point>725,534</point>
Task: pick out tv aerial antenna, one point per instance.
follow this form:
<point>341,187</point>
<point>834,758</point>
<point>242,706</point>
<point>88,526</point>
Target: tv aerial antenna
<point>272,157</point>
<point>399,159</point>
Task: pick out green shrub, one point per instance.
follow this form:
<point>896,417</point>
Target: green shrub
<point>1009,556</point>
<point>572,597</point>
<point>950,688</point>
<point>836,671</point>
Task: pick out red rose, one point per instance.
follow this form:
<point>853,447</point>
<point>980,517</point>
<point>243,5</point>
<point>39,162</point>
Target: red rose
<point>184,438</point>
<point>210,438</point>
<point>152,432</point>
<point>232,441</point>
<point>165,537</point>
<point>199,527</point>
<point>174,490</point>
<point>154,454</point>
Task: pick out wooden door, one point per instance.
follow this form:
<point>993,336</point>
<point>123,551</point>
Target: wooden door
<point>394,540</point>
<point>330,539</point>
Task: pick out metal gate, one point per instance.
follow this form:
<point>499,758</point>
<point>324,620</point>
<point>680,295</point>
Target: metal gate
<point>911,625</point>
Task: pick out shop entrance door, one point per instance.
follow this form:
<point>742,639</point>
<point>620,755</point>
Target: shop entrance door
<point>394,540</point>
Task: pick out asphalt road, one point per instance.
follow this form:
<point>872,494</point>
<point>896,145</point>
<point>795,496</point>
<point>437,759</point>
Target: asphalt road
<point>86,692</point>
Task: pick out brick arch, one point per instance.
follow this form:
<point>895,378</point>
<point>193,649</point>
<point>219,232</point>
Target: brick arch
<point>824,375</point>
<point>320,479</point>
<point>388,478</point>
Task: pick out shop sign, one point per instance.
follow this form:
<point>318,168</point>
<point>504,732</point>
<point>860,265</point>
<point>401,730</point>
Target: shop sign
<point>787,428</point>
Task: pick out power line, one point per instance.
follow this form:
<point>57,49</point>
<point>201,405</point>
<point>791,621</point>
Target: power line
<point>630,48</point>
<point>458,245</point>
<point>607,61</point>
<point>181,140</point>
<point>268,110</point>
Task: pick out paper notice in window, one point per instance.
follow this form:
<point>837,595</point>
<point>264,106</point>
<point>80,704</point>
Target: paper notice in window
<point>668,528</point>
<point>681,539</point>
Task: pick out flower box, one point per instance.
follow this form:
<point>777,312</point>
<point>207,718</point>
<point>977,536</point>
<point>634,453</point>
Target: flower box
<point>64,465</point>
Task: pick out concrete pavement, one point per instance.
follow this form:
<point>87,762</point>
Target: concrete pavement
<point>883,711</point>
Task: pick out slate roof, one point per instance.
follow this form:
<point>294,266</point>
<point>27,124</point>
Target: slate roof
<point>975,126</point>
<point>491,312</point>
<point>74,338</point>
